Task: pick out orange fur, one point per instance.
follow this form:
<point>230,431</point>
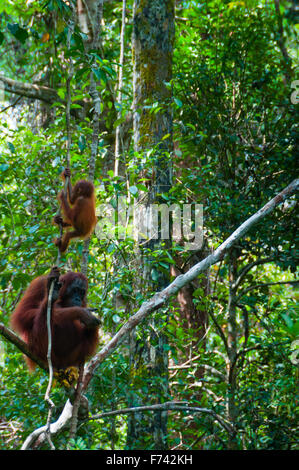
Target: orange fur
<point>74,328</point>
<point>78,208</point>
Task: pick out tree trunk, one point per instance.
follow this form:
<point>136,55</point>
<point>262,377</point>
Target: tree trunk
<point>153,36</point>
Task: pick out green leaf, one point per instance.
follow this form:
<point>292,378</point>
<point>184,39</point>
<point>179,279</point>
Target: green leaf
<point>113,203</point>
<point>154,275</point>
<point>11,147</point>
<point>133,190</point>
<point>33,229</point>
<point>287,320</point>
<point>61,94</point>
<point>178,102</point>
<point>18,32</point>
<point>100,75</point>
<point>4,167</point>
<point>116,318</point>
<point>295,329</point>
<point>164,265</point>
<point>82,143</point>
<point>141,187</point>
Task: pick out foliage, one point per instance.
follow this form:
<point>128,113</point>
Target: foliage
<point>235,141</point>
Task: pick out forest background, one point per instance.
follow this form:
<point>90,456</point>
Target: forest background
<point>158,102</point>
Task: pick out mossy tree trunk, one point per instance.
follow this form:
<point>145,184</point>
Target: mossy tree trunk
<point>153,36</point>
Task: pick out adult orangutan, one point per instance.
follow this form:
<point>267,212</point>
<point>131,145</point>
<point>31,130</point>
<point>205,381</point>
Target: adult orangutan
<point>74,327</point>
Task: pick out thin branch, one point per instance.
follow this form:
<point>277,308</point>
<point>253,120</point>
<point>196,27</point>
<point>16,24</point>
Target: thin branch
<point>256,286</point>
<point>11,105</point>
<point>50,96</point>
<point>220,331</point>
<point>189,361</point>
<point>248,267</point>
<point>64,419</point>
<point>214,371</point>
<point>174,406</point>
<point>205,366</point>
<point>244,351</point>
<point>246,324</point>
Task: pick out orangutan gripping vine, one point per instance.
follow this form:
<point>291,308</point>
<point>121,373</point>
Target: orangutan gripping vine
<point>78,207</point>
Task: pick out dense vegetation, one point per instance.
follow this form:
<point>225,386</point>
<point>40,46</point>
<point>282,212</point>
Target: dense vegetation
<point>230,337</point>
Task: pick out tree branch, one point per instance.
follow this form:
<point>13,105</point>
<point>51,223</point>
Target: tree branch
<point>76,404</point>
<point>11,105</point>
<point>205,366</point>
<point>60,424</point>
<point>256,286</point>
<point>171,405</point>
<point>37,92</point>
<point>162,297</point>
<point>21,345</point>
<point>43,93</point>
<point>248,267</point>
<point>220,331</point>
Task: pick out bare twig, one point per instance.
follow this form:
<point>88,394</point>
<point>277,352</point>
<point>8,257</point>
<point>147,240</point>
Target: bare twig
<point>171,405</point>
<point>266,284</point>
<point>220,331</point>
<point>248,267</point>
<point>11,105</point>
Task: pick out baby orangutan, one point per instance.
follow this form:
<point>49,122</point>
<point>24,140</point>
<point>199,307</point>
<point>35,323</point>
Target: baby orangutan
<point>78,208</point>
